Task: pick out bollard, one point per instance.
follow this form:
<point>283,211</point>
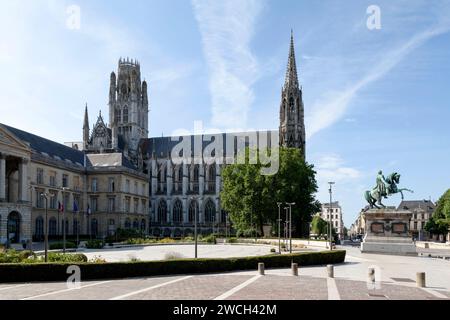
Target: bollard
<point>295,269</point>
<point>371,274</point>
<point>330,270</point>
<point>261,268</point>
<point>420,279</point>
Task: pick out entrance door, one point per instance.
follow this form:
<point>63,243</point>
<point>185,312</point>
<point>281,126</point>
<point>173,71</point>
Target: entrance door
<point>14,227</point>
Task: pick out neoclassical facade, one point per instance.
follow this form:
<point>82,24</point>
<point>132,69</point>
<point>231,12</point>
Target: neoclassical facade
<point>117,177</point>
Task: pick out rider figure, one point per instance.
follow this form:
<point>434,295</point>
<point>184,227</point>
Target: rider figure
<point>381,184</point>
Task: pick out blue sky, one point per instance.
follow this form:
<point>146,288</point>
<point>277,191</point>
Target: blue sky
<point>374,99</point>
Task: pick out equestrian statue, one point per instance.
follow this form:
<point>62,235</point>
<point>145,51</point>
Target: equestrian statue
<point>385,187</point>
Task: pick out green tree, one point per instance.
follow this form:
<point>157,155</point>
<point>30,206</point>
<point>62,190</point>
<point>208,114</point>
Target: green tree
<point>251,197</point>
<point>440,221</point>
<point>318,226</point>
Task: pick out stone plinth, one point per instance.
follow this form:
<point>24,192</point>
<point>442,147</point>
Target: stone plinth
<point>387,232</point>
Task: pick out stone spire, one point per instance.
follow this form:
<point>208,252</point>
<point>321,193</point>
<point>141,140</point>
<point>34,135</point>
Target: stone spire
<point>86,129</point>
<point>292,125</point>
<point>291,71</point>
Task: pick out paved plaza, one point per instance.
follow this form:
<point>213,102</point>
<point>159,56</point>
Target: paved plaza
<point>162,252</point>
<point>395,280</point>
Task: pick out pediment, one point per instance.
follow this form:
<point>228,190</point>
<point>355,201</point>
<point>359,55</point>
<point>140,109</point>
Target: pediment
<point>9,143</point>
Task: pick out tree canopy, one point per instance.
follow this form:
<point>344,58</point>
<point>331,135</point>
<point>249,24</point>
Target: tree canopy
<point>440,221</point>
<point>251,197</point>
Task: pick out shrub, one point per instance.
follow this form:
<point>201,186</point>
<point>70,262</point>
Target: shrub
<point>232,240</point>
<point>91,271</point>
<point>66,257</point>
<point>210,239</point>
<point>188,239</point>
<point>94,244</point>
<point>60,245</point>
<point>167,240</point>
<point>97,259</point>
<point>173,256</point>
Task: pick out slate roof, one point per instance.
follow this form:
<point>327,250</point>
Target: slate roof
<point>44,147</point>
<point>161,147</point>
<point>426,205</point>
<point>109,160</point>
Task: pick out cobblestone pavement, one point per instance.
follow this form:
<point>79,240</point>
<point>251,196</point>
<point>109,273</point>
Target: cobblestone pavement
<point>395,279</point>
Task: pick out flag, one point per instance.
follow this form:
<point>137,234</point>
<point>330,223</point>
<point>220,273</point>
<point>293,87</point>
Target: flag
<point>75,207</point>
<point>60,207</point>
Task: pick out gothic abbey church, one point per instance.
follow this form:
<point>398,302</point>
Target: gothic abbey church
<point>117,177</point>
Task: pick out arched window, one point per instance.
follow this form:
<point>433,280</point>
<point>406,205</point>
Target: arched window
<point>39,227</point>
<point>52,224</point>
<point>193,207</point>
<point>180,173</point>
<point>143,225</point>
<point>127,224</point>
<point>117,116</point>
<point>195,174</point>
<point>125,114</point>
<point>136,224</point>
<point>291,104</point>
<point>14,227</point>
<point>211,183</point>
<point>162,211</point>
<point>178,211</point>
<point>94,227</point>
<point>210,211</point>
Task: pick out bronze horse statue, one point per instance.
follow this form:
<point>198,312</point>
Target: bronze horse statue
<point>390,183</point>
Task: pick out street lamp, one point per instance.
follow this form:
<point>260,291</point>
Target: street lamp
<point>330,225</point>
<point>279,226</point>
<point>46,196</point>
<point>290,204</point>
<point>64,219</point>
<point>286,224</point>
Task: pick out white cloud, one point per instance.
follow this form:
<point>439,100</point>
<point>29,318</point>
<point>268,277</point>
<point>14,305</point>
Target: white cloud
<point>227,28</point>
<point>332,168</point>
<point>332,105</point>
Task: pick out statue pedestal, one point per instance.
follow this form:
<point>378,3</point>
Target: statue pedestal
<point>387,232</point>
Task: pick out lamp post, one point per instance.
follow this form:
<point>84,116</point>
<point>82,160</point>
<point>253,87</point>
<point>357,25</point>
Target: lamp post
<point>46,196</point>
<point>64,218</point>
<point>330,225</point>
<point>290,204</point>
<point>286,228</point>
<point>279,226</point>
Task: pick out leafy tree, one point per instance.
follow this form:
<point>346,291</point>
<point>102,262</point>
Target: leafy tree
<point>251,197</point>
<point>440,221</point>
<point>318,226</point>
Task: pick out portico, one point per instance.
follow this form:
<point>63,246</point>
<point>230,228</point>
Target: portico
<point>15,208</point>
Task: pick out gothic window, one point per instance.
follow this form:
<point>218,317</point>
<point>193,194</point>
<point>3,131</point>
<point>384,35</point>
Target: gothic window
<point>117,115</point>
<point>211,183</point>
<point>195,174</point>
<point>162,211</point>
<point>291,104</point>
<point>210,211</point>
<point>178,211</point>
<point>136,224</point>
<point>193,207</point>
<point>125,114</point>
<point>143,225</point>
<point>127,224</point>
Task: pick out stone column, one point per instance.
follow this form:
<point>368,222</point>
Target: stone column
<point>218,179</point>
<point>201,173</point>
<point>154,175</point>
<point>169,211</point>
<point>2,178</point>
<point>169,172</point>
<point>185,179</point>
<point>23,181</point>
<point>201,212</point>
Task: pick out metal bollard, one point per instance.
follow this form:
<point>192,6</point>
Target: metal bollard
<point>295,269</point>
<point>330,270</point>
<point>371,275</point>
<point>420,279</point>
<point>261,268</point>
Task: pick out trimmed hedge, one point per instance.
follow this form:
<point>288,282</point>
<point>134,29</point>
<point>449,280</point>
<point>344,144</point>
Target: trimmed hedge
<point>117,270</point>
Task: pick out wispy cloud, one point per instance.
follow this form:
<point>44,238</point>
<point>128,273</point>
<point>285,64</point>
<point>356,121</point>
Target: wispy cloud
<point>332,168</point>
<point>332,105</point>
<point>227,28</point>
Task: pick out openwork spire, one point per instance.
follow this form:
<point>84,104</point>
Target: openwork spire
<point>291,72</point>
<point>86,119</point>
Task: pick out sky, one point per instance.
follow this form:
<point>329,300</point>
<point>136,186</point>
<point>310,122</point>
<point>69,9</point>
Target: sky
<point>375,83</point>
